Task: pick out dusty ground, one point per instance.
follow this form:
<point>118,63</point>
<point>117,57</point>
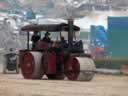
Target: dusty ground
<point>101,85</point>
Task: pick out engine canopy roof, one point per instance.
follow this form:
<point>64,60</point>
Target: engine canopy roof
<point>48,27</point>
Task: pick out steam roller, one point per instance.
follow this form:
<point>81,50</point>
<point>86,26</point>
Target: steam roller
<point>31,65</point>
<point>57,58</point>
<point>80,68</point>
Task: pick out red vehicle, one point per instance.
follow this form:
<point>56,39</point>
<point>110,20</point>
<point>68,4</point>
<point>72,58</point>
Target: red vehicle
<point>56,59</point>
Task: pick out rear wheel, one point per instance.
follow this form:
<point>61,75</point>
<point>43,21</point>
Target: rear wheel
<point>31,67</point>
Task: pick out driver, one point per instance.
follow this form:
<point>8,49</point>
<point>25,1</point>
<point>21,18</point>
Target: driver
<point>47,38</point>
<point>35,38</point>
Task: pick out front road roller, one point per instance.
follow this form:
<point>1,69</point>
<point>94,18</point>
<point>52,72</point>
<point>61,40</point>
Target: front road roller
<point>80,68</point>
<point>31,66</point>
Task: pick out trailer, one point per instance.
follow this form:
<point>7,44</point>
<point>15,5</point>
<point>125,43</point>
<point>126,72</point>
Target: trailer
<point>10,63</point>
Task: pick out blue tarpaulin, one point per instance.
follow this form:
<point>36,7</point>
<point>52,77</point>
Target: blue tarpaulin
<point>118,36</point>
<point>119,23</point>
<point>98,36</point>
<point>99,40</point>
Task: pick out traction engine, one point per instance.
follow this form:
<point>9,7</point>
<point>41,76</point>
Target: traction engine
<point>56,59</point>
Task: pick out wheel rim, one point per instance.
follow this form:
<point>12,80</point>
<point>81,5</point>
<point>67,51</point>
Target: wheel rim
<point>28,66</point>
<point>73,69</point>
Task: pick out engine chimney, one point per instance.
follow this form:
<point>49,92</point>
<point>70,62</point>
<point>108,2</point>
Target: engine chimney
<point>70,32</point>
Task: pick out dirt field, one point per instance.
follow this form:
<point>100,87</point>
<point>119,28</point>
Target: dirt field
<point>101,85</point>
